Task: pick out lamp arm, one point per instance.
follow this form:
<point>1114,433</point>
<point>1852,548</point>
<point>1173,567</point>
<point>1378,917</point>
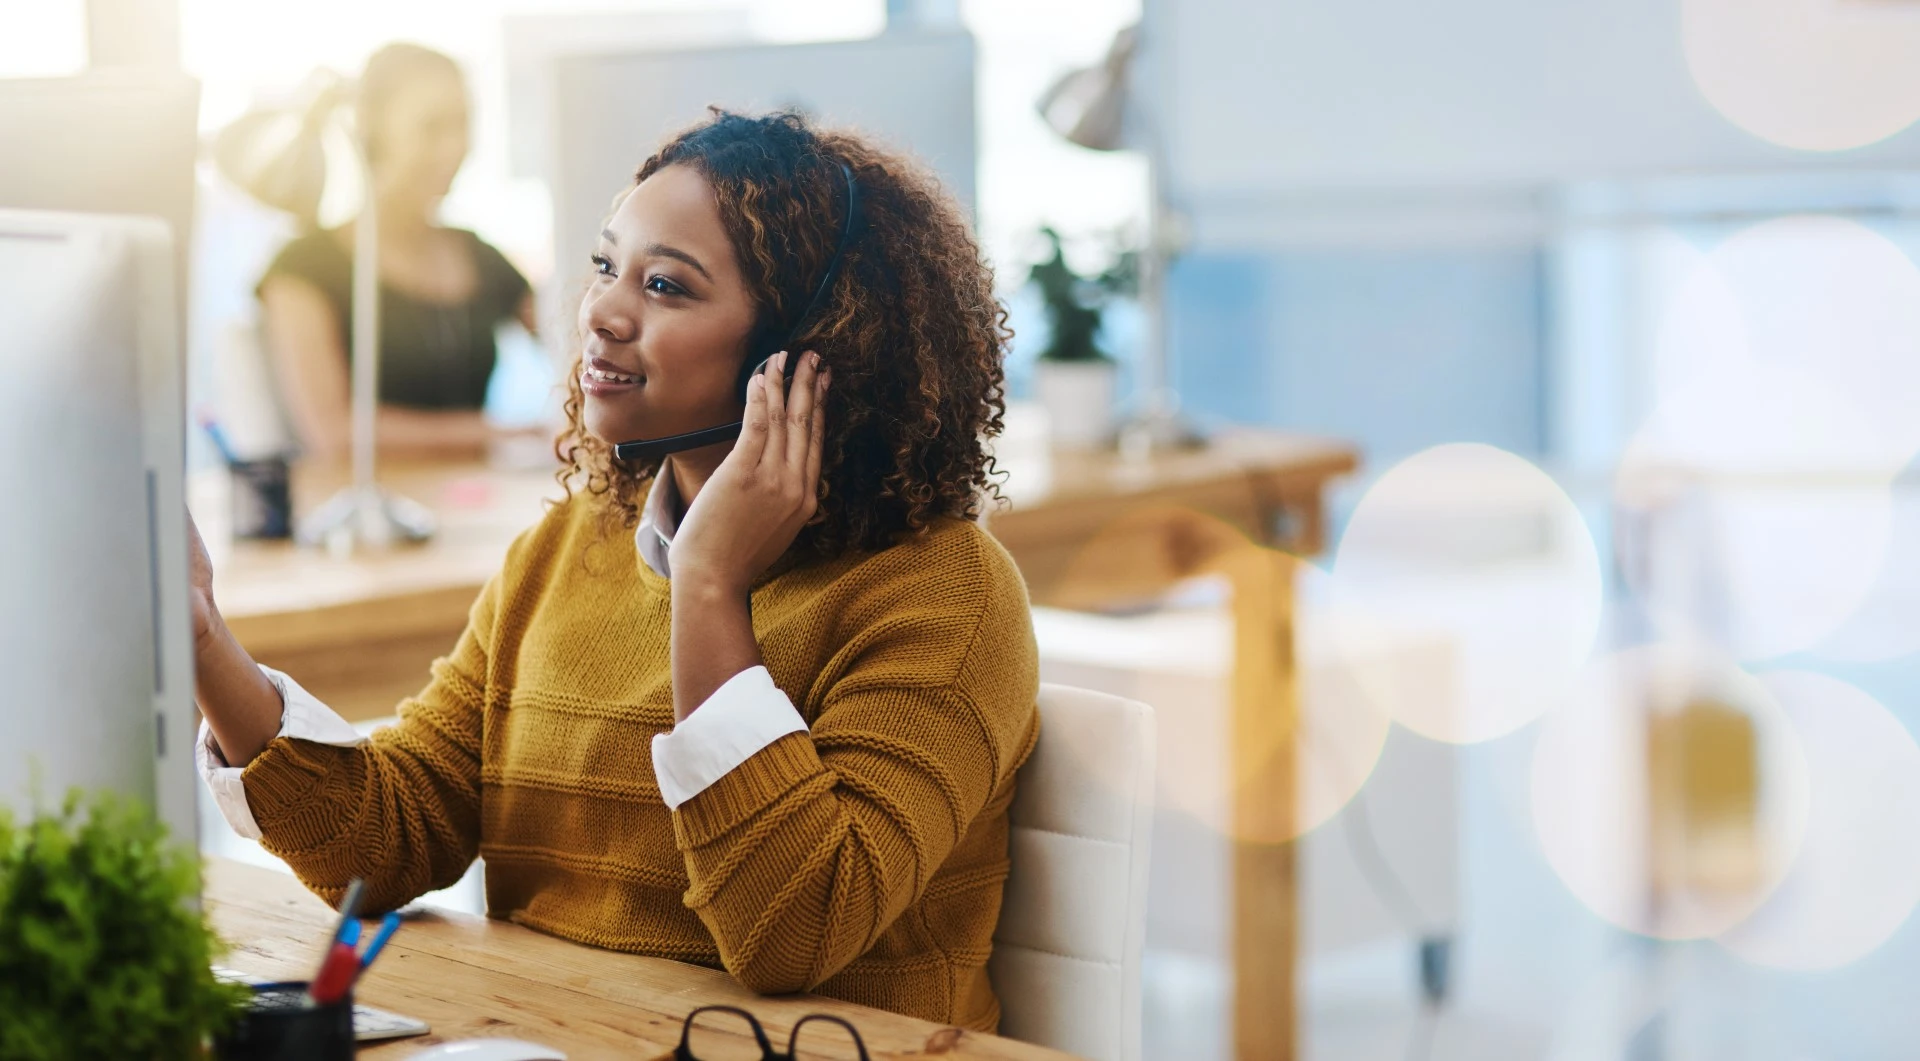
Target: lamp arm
<point>366,335</point>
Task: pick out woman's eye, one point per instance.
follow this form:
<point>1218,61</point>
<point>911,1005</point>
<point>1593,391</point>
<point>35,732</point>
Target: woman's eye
<point>662,285</point>
<point>602,265</point>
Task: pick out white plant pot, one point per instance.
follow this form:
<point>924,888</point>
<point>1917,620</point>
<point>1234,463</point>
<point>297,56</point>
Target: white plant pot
<point>1078,397</point>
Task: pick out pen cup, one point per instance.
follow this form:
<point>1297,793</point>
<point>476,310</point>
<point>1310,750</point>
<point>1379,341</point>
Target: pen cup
<point>262,499</point>
<point>280,1025</point>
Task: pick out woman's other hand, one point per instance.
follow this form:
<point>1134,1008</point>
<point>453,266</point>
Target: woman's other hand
<point>200,584</point>
<point>239,703</point>
<point>753,507</point>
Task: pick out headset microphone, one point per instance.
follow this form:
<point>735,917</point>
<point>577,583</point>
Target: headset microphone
<point>642,449</point>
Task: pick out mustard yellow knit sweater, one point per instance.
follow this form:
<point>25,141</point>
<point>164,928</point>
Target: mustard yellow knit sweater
<point>863,860</point>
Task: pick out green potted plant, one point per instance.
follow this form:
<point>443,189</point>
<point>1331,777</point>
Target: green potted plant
<point>1073,377</point>
<point>103,949</point>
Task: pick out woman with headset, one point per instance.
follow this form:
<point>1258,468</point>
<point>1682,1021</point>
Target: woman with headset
<point>754,703</point>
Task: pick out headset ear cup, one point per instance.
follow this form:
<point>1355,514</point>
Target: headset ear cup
<point>747,371</point>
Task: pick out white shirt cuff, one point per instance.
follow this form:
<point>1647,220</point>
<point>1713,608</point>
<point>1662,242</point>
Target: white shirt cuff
<point>743,716</point>
<point>302,715</point>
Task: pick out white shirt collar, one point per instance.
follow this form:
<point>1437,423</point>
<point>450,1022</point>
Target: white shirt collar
<point>658,521</point>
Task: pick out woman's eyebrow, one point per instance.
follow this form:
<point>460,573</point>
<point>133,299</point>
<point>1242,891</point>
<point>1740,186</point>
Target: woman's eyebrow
<point>662,250</point>
<point>665,251</point>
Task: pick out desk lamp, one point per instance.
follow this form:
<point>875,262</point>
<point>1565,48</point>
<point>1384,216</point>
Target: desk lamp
<point>289,157</point>
<point>1097,108</point>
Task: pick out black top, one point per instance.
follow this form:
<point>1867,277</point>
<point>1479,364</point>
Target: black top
<point>433,355</point>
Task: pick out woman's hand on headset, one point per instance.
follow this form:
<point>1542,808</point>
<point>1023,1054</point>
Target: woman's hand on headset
<point>753,507</point>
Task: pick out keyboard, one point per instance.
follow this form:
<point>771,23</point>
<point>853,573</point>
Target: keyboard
<point>370,1025</point>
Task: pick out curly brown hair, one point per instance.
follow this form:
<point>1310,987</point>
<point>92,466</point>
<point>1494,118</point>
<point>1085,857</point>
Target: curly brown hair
<point>911,328</point>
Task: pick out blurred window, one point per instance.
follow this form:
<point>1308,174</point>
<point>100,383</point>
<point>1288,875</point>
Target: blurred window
<point>43,38</point>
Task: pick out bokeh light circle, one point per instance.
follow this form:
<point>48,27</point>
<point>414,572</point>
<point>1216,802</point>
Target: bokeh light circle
<point>1820,299</point>
<point>1736,543</point>
<point>1857,875</point>
<point>1833,299</point>
<point>1817,75</point>
<point>1475,547</point>
<point>1593,808</point>
<point>1755,500</point>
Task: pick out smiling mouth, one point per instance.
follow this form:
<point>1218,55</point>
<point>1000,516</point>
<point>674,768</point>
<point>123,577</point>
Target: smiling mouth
<point>605,376</point>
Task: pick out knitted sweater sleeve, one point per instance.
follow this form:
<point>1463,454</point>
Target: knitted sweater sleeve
<point>401,811</point>
<point>803,855</point>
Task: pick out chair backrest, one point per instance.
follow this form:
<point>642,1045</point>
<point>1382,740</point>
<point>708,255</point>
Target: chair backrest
<point>1066,957</point>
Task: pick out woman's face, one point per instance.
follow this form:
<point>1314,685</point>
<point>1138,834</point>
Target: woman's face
<point>422,136</point>
<point>667,317</point>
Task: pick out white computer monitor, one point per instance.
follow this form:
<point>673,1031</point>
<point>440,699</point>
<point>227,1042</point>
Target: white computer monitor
<point>94,618</point>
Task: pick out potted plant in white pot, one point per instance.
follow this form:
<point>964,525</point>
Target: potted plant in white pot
<point>1073,377</point>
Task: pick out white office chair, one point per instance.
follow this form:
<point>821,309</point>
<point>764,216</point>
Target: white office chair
<point>1066,957</point>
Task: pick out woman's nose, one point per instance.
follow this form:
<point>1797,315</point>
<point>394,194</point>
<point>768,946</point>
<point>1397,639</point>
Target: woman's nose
<point>604,316</point>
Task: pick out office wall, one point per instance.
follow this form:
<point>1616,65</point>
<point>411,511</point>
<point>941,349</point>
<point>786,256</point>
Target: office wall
<point>1401,349</point>
<point>1268,96</point>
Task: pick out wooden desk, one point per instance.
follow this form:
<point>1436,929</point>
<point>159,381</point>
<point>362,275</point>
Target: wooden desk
<point>471,977</point>
<point>1266,485</point>
<point>359,632</point>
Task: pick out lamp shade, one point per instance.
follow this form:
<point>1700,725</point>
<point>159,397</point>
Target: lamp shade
<point>290,157</point>
<point>1089,106</point>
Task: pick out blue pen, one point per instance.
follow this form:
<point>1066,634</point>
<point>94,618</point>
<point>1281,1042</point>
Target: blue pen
<point>387,927</point>
<point>219,438</point>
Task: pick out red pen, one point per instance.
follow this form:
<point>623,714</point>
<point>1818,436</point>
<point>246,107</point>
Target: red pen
<point>336,975</point>
<point>339,968</point>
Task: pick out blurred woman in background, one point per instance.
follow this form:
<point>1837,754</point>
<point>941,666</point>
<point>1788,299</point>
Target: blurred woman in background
<point>442,290</point>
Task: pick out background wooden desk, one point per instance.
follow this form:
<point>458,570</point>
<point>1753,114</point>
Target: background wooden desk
<point>471,977</point>
<point>359,632</point>
<point>1266,485</point>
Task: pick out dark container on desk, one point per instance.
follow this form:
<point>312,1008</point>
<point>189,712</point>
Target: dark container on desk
<point>262,498</point>
<point>279,1026</point>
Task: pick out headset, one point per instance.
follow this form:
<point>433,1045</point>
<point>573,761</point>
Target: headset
<point>756,363</point>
